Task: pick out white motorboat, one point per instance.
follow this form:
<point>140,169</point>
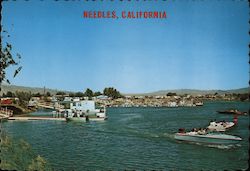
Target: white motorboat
<point>208,138</point>
<point>220,126</point>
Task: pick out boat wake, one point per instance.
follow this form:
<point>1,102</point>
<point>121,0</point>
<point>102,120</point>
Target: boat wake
<point>168,135</point>
<point>230,146</point>
<point>130,117</point>
<point>218,146</point>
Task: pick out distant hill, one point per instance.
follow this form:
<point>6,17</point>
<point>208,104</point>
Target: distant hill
<point>193,92</point>
<point>14,88</point>
<point>33,90</point>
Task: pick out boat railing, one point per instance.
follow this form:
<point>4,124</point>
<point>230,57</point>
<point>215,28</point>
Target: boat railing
<point>5,111</point>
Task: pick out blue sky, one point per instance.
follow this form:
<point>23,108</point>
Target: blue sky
<point>201,45</point>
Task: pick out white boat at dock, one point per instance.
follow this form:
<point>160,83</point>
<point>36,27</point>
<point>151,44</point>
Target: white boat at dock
<point>82,117</point>
<point>83,111</point>
<point>85,119</point>
<point>208,138</point>
<point>199,103</point>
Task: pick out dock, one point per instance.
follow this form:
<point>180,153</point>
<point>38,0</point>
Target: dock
<point>35,118</point>
<point>3,117</point>
<point>5,114</point>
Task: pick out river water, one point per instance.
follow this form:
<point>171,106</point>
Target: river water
<point>136,138</point>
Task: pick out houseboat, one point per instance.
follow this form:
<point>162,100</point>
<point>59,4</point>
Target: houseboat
<point>205,137</point>
<point>83,111</point>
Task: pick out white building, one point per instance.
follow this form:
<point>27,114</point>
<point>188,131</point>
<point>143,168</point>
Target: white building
<point>172,104</point>
<point>102,97</point>
<point>83,105</point>
<point>67,99</point>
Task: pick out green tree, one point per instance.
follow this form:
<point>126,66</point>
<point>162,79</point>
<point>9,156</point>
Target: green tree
<point>3,95</point>
<point>78,94</point>
<point>9,94</point>
<point>98,93</point>
<point>48,94</point>
<point>112,92</point>
<point>36,95</point>
<point>71,94</point>
<point>23,97</point>
<point>60,93</point>
<point>171,94</point>
<point>7,58</point>
<point>244,97</point>
<point>88,93</point>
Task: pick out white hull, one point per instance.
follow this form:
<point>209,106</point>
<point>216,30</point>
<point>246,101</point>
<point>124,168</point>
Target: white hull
<point>83,119</point>
<point>208,138</point>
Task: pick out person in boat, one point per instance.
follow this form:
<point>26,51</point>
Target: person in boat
<point>87,118</point>
<point>201,131</point>
<point>75,114</point>
<point>181,130</point>
<point>67,114</point>
<point>194,130</point>
<point>235,120</point>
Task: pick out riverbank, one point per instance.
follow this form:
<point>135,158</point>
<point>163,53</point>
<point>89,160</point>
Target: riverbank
<point>18,155</point>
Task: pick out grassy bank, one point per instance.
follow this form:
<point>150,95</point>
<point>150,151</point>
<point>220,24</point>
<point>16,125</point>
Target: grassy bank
<point>18,155</point>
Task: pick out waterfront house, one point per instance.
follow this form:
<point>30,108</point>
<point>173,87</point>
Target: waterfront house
<point>9,100</point>
<point>172,104</point>
<point>76,99</point>
<point>67,99</point>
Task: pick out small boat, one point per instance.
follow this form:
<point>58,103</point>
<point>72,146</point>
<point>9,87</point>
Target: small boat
<point>220,126</point>
<point>199,104</point>
<point>205,137</point>
<point>232,111</point>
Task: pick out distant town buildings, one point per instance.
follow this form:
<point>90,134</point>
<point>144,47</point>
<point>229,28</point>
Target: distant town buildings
<point>168,100</point>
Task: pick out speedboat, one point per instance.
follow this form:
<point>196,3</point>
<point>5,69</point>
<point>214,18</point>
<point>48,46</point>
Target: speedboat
<point>220,126</point>
<point>208,138</point>
<point>232,111</point>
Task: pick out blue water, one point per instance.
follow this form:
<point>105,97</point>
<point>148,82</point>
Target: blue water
<point>136,138</point>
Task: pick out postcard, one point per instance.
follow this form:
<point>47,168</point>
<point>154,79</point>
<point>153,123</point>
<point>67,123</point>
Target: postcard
<point>124,85</point>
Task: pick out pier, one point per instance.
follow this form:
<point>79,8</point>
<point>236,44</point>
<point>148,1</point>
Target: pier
<point>27,118</point>
<point>48,105</point>
<point>6,112</point>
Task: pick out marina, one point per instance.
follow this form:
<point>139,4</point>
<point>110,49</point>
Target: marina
<point>131,137</point>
